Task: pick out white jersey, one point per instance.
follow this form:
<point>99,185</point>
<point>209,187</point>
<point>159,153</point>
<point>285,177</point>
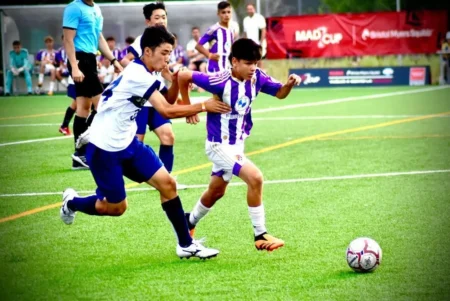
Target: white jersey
<point>114,126</point>
<point>135,48</point>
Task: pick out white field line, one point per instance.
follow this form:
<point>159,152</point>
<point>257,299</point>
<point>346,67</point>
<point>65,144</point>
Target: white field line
<point>285,181</point>
<point>282,108</point>
<point>260,119</point>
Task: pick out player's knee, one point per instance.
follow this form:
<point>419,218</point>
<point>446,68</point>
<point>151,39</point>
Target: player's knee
<point>119,210</point>
<point>256,180</point>
<point>218,194</point>
<point>167,137</point>
<point>168,187</point>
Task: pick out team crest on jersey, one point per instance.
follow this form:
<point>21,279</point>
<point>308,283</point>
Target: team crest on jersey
<point>242,104</point>
<point>227,46</point>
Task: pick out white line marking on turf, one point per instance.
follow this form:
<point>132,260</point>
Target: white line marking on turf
<point>285,181</point>
<point>28,124</point>
<point>282,108</point>
<point>36,140</point>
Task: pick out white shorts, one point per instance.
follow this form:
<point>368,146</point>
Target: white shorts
<point>227,159</point>
<point>48,68</point>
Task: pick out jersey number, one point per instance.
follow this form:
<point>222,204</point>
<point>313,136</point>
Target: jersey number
<point>109,90</point>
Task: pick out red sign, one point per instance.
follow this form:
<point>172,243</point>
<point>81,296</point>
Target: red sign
<point>339,35</point>
<point>417,76</point>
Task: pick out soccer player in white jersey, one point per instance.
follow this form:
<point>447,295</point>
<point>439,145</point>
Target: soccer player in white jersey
<point>155,14</point>
<point>114,151</point>
<point>226,133</point>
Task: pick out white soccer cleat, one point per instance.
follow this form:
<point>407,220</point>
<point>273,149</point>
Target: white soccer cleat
<point>67,215</point>
<point>83,139</point>
<point>196,249</point>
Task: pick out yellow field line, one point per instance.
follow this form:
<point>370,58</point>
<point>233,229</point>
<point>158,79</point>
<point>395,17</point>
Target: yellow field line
<point>382,137</point>
<point>261,151</point>
<point>31,116</point>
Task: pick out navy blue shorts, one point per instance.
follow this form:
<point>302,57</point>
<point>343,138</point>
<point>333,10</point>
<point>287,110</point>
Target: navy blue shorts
<point>149,116</point>
<point>138,162</point>
<point>71,92</point>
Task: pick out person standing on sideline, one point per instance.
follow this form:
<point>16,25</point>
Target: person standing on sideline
<point>82,26</point>
<point>18,61</point>
<point>255,29</point>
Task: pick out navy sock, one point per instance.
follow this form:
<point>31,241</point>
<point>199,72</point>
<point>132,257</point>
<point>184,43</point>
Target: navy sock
<point>79,126</point>
<point>91,118</point>
<point>175,213</point>
<point>166,156</point>
<point>84,204</point>
<point>68,117</point>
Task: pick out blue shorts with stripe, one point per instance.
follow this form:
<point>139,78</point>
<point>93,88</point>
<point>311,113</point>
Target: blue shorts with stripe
<point>149,116</point>
<point>138,162</point>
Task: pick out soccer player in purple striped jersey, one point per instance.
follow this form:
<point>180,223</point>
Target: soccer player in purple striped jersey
<point>226,133</point>
<point>222,37</point>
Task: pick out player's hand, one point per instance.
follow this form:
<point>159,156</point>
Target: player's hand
<point>213,105</point>
<point>294,80</point>
<point>117,67</point>
<point>194,119</point>
<point>214,57</point>
<point>14,71</point>
<point>77,75</point>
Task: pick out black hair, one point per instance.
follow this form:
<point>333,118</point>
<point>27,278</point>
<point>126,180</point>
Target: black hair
<point>223,5</point>
<point>149,8</point>
<point>154,36</point>
<point>129,40</point>
<point>16,43</point>
<point>110,39</point>
<point>246,49</point>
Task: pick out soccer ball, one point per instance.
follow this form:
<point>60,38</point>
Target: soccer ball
<point>363,255</point>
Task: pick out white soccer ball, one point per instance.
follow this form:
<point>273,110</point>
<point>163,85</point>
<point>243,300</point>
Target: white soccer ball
<point>364,255</point>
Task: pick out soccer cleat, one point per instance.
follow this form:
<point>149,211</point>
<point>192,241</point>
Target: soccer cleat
<point>196,249</point>
<point>67,215</point>
<point>83,139</point>
<point>80,159</point>
<point>267,242</point>
<point>78,166</point>
<point>190,226</point>
<point>64,130</point>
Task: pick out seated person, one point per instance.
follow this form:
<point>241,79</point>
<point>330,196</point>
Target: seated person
<point>177,56</point>
<point>46,60</point>
<point>106,73</point>
<point>19,64</point>
<point>61,62</point>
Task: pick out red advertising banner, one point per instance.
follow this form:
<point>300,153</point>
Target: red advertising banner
<point>338,35</point>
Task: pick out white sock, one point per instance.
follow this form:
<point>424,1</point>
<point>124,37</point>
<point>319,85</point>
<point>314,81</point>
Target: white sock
<point>41,78</point>
<point>258,217</point>
<point>52,86</point>
<point>198,212</point>
<point>64,82</point>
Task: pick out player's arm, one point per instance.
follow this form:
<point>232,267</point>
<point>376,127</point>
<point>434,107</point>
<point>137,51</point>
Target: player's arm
<point>206,38</point>
<point>127,59</point>
<point>104,49</point>
<point>293,80</point>
<point>262,26</point>
<point>170,112</point>
<point>71,18</point>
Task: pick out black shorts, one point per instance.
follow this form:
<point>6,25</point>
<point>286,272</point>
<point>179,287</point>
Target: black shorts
<point>91,85</point>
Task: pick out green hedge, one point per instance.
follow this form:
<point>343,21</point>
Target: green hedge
<point>280,68</point>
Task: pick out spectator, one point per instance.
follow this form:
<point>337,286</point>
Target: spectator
<point>177,56</point>
<point>255,28</point>
<point>46,59</point>
<point>197,61</point>
<point>446,58</point>
<point>112,46</point>
<point>18,61</point>
<point>61,61</point>
<point>106,73</point>
<point>128,42</point>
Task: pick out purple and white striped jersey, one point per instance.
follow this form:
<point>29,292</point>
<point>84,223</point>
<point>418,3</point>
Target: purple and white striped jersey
<point>45,54</point>
<point>223,39</point>
<point>234,127</point>
<point>61,56</point>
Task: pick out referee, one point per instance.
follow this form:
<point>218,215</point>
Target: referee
<point>82,27</point>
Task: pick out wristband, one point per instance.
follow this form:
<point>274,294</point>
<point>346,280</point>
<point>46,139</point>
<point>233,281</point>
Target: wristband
<point>203,107</point>
<point>113,60</point>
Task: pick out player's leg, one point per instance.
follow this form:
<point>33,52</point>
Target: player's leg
<point>145,166</point>
<point>49,68</point>
<point>141,122</point>
<point>60,77</point>
<point>40,77</point>
<point>28,82</point>
<point>216,190</point>
<point>253,177</point>
<point>9,81</point>
<point>70,111</point>
<point>110,197</point>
